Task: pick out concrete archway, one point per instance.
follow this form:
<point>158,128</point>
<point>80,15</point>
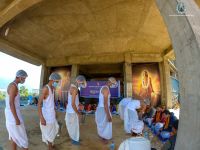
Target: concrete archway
<point>15,8</point>
<point>184,32</point>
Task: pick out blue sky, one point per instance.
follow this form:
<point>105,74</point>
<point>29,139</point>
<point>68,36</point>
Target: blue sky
<point>10,65</point>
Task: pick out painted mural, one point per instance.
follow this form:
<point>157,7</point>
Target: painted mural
<point>146,83</point>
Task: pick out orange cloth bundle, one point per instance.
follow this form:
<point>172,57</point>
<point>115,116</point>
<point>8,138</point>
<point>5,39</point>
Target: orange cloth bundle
<point>167,122</point>
<point>158,116</point>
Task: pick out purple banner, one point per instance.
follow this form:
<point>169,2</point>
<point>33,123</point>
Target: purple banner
<point>93,88</point>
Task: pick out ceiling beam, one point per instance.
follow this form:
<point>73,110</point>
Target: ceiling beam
<point>97,71</point>
<point>142,57</point>
<point>169,53</point>
<point>20,53</point>
<point>86,60</point>
<point>101,69</point>
<point>15,8</point>
<point>104,59</point>
<point>169,49</point>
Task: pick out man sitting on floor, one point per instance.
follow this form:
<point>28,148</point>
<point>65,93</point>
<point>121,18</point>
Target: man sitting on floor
<point>167,129</point>
<point>148,116</point>
<point>170,144</point>
<point>163,123</point>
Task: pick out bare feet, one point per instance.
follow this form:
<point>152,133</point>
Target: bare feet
<point>51,146</point>
<point>14,145</point>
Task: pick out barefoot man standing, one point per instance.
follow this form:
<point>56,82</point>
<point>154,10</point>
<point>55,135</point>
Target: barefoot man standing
<point>103,116</point>
<point>47,114</point>
<point>14,121</point>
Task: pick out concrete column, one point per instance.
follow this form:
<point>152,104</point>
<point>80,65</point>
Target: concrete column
<point>44,78</point>
<point>128,81</point>
<point>167,84</point>
<point>162,84</point>
<point>74,72</point>
<point>184,32</point>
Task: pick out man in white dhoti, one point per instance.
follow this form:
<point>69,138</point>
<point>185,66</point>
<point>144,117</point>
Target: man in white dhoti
<point>122,105</point>
<point>72,114</point>
<point>14,121</point>
<point>103,116</point>
<point>136,142</point>
<point>48,123</point>
<point>131,115</point>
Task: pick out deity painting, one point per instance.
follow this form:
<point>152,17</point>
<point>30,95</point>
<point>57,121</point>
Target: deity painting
<point>146,83</point>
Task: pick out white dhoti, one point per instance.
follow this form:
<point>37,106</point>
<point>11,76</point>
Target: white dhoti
<point>72,123</point>
<point>130,116</point>
<point>49,132</point>
<point>121,111</point>
<point>104,128</point>
<point>17,133</point>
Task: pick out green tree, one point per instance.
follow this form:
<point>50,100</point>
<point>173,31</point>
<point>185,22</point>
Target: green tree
<point>23,92</point>
<point>2,95</point>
